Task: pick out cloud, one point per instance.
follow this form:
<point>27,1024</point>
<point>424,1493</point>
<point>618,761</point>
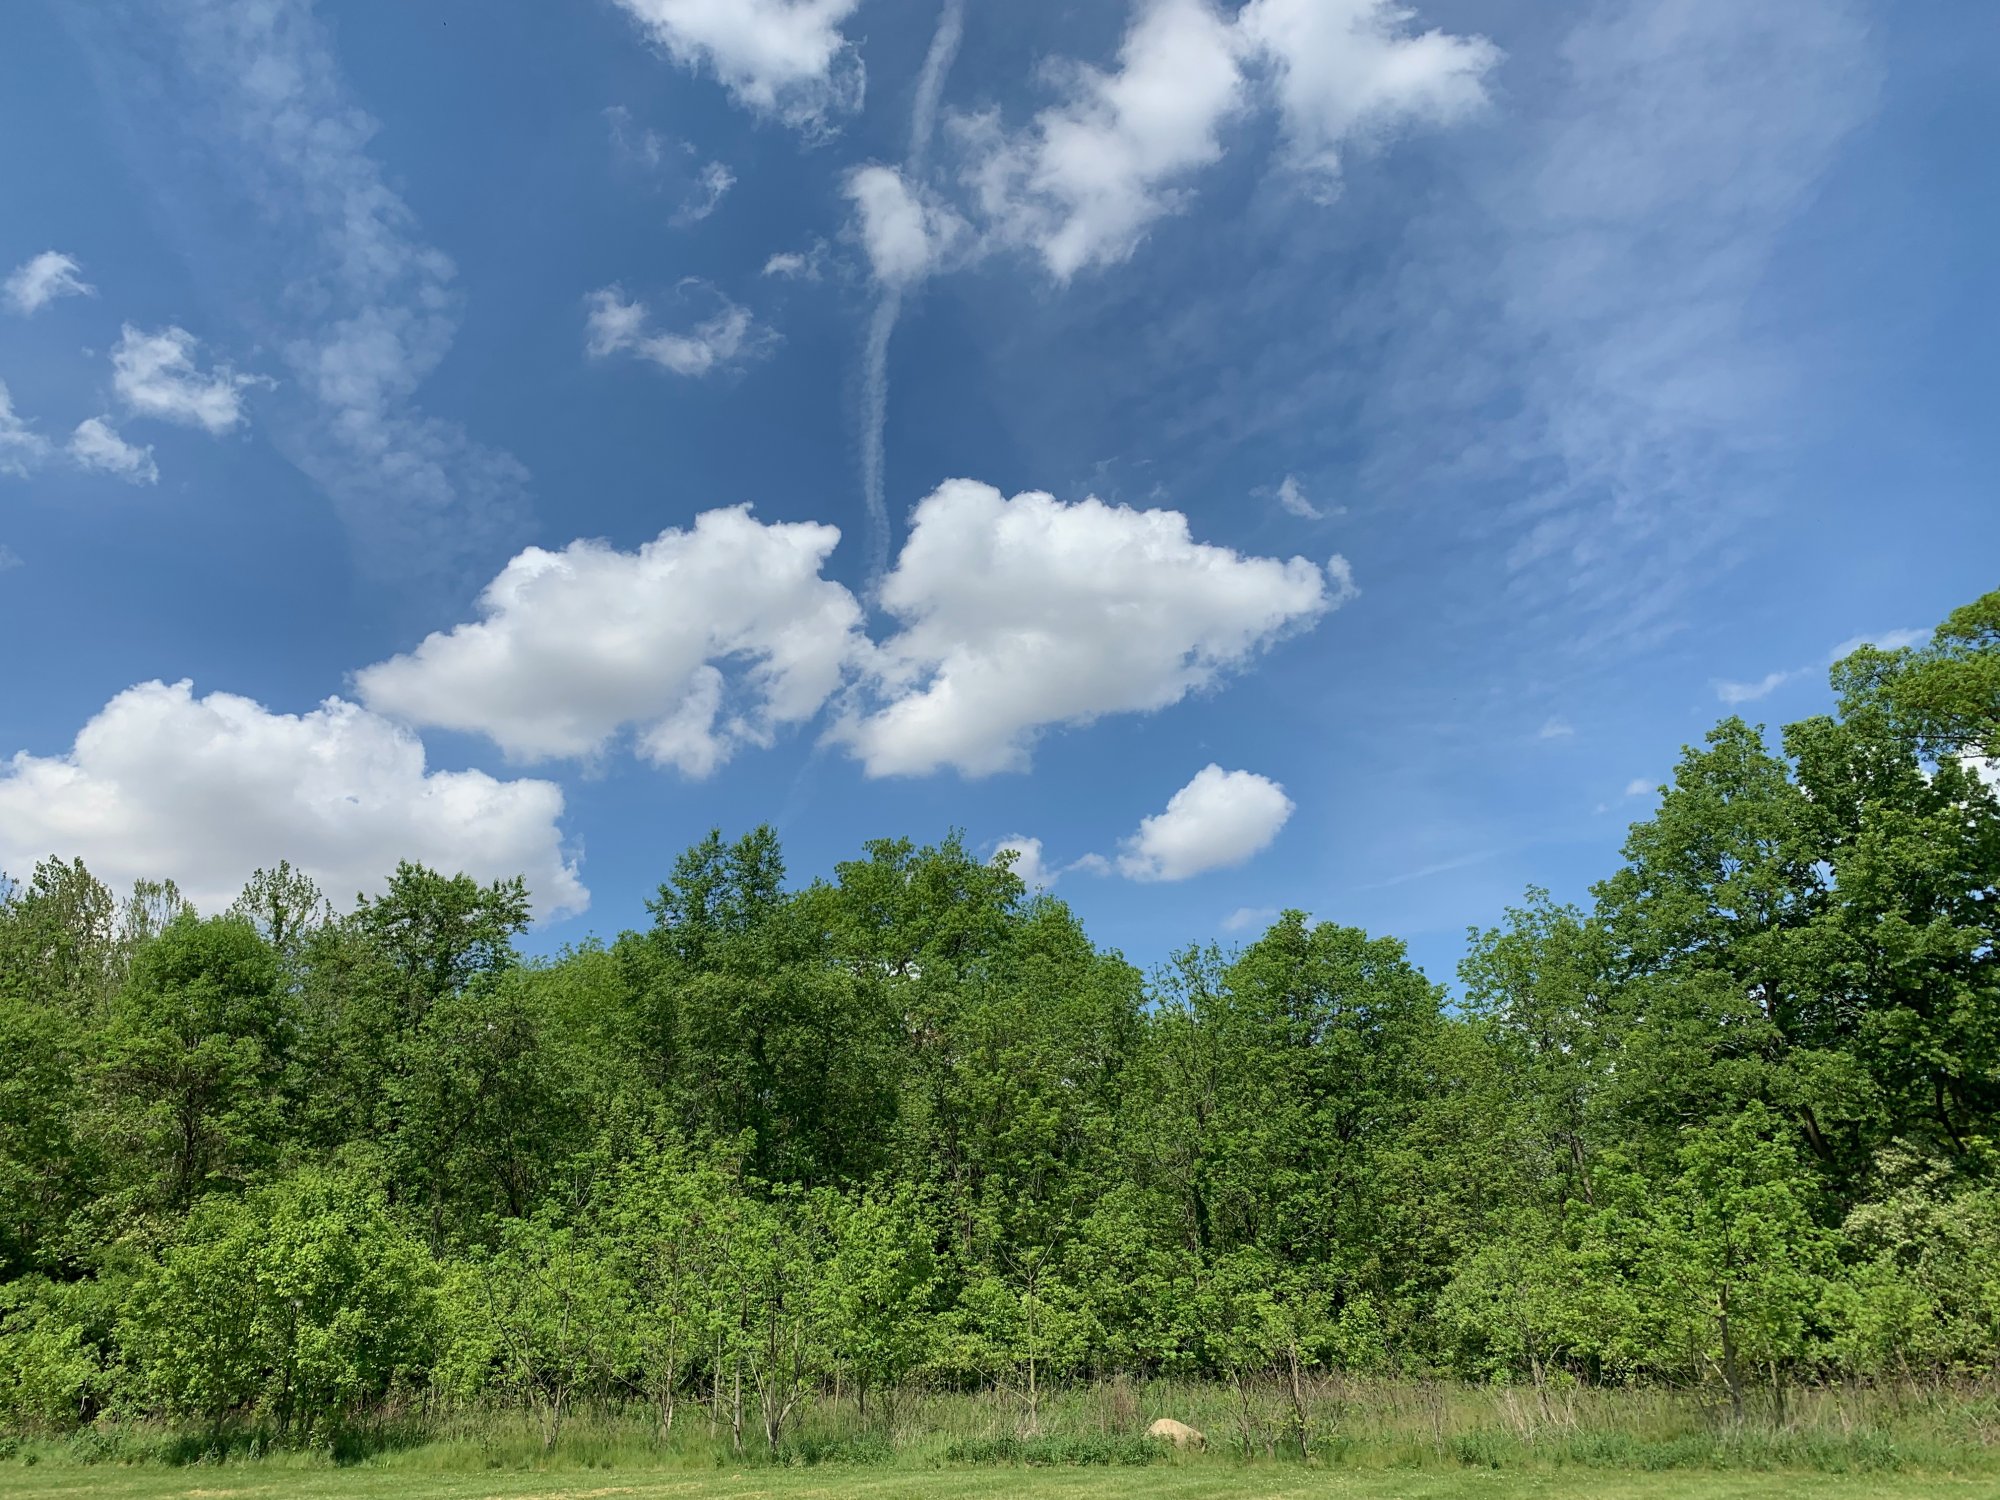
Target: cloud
<point>9,559</point>
<point>906,231</point>
<point>96,445</point>
<point>643,147</point>
<point>1340,573</point>
<point>155,375</point>
<point>1292,498</point>
<point>1025,613</point>
<point>711,186</point>
<point>797,265</point>
<point>726,337</point>
<point>205,790</point>
<point>1613,297</point>
<point>1887,640</point>
<point>701,640</point>
<point>1082,184</point>
<point>784,58</point>
<point>22,449</point>
<point>285,213</point>
<point>1348,70</point>
<point>1028,863</point>
<point>1639,786</point>
<point>1751,692</point>
<point>888,240</point>
<point>1219,819</point>
<point>1556,729</point>
<point>1246,917</point>
<point>36,283</point>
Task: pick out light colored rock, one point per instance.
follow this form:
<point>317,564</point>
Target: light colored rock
<point>1178,1433</point>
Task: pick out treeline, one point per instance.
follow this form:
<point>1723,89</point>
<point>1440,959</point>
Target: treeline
<point>1729,1128</point>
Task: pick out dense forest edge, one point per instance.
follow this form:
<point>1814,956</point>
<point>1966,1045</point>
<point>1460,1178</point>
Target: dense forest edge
<point>901,1160</point>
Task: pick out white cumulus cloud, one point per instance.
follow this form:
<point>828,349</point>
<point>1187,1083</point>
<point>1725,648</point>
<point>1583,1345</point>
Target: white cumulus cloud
<point>1025,613</point>
<point>785,58</point>
<point>1219,819</point>
<point>1028,863</point>
<point>725,337</point>
<point>155,374</point>
<point>906,231</point>
<point>96,445</point>
<point>1082,184</point>
<point>206,790</point>
<point>36,283</point>
<point>1355,69</point>
<point>701,640</point>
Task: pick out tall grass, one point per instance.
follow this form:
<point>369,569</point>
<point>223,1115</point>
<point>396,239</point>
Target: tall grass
<point>1346,1422</point>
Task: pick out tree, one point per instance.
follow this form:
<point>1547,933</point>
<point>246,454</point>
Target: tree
<point>1730,1259</point>
<point>192,1060</point>
<point>440,931</point>
<point>304,1301</point>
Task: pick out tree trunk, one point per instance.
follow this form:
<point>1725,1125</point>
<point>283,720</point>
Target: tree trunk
<point>736,1405</point>
<point>1298,1393</point>
<point>1731,1377</point>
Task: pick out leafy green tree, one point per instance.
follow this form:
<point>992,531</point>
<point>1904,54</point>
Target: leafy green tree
<point>669,1219</point>
<point>440,932</point>
<point>50,1162</point>
<point>59,940</point>
<point>53,1373</point>
<point>304,1301</point>
<point>757,1027</point>
<point>541,1319</point>
<point>1730,1261</point>
<point>192,1058</point>
<point>880,1283</point>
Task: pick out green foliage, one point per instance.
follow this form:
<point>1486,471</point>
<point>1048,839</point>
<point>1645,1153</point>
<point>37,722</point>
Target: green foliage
<point>303,1301</point>
<point>907,1135</point>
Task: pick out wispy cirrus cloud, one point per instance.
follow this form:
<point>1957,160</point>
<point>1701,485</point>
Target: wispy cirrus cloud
<point>1611,298</point>
<point>1734,693</point>
<point>246,108</point>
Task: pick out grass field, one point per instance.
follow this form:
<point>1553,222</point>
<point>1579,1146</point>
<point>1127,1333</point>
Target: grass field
<point>1203,1482</point>
<point>1374,1441</point>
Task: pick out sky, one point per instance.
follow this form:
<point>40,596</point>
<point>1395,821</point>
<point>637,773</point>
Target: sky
<point>1235,454</point>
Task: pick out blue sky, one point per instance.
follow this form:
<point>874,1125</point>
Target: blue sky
<point>1303,452</point>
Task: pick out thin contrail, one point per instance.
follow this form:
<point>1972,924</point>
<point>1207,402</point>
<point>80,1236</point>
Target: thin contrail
<point>875,357</point>
<point>874,419</point>
<point>930,83</point>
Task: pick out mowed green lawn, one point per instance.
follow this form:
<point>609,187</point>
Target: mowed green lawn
<point>838,1483</point>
